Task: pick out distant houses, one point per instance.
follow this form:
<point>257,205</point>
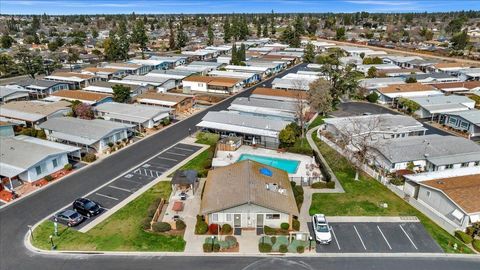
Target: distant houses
<point>33,113</point>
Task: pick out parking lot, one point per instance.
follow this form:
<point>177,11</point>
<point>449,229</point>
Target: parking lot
<point>378,237</point>
<point>121,188</point>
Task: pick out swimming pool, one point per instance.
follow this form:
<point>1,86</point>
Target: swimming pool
<point>290,166</point>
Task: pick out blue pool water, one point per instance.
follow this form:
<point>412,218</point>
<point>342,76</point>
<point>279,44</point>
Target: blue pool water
<point>290,166</point>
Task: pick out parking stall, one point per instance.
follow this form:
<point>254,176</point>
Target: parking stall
<point>378,237</point>
<point>122,187</point>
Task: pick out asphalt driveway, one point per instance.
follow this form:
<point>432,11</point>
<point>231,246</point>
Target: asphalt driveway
<point>378,237</point>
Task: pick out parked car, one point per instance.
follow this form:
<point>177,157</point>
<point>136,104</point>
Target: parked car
<point>87,207</point>
<point>68,217</point>
<point>321,229</point>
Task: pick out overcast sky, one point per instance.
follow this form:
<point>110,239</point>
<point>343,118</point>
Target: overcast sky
<point>230,6</point>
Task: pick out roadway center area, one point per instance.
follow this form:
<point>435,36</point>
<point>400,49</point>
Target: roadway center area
<point>378,237</point>
<point>124,186</point>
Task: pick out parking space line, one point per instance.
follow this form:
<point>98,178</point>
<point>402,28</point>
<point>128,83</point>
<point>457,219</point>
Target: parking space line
<point>131,181</point>
<point>384,237</point>
<point>361,240</point>
<point>184,149</point>
<point>119,188</point>
<point>176,154</point>
<point>171,159</point>
<point>334,236</point>
<point>106,196</point>
<point>408,237</point>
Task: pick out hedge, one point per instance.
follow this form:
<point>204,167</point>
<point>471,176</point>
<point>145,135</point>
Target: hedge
<point>285,226</point>
<point>207,247</point>
<point>180,225</point>
<point>331,184</point>
<point>161,227</point>
<point>283,248</point>
<point>264,247</point>
<point>201,227</point>
<point>300,249</point>
<point>476,245</point>
<point>296,224</point>
<point>269,230</point>
<point>467,239</point>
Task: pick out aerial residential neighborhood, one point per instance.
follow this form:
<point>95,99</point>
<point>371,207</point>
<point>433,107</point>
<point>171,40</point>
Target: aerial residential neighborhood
<point>239,134</point>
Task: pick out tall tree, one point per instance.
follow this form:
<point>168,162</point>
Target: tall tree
<point>241,54</point>
<point>7,66</point>
<point>227,32</point>
<point>460,40</point>
<point>72,56</point>
<point>6,41</point>
<point>273,30</point>
<point>309,55</point>
<point>121,93</point>
<point>234,59</point>
<point>211,36</point>
<point>30,63</point>
<point>140,37</point>
<point>182,37</point>
<point>171,37</point>
<point>319,96</point>
<point>258,24</point>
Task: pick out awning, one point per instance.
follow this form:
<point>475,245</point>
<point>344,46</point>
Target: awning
<point>457,214</point>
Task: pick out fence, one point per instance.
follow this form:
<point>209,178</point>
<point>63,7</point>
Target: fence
<point>305,181</point>
<point>157,212</point>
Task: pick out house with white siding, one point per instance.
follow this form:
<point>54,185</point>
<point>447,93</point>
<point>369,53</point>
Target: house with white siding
<point>248,195</point>
<point>432,107</point>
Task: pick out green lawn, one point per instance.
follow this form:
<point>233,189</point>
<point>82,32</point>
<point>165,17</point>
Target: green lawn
<point>316,122</point>
<point>120,232</point>
<point>301,146</point>
<point>362,198</point>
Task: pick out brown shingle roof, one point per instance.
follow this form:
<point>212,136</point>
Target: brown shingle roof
<point>408,87</point>
<point>451,65</point>
<point>43,108</point>
<point>164,97</point>
<point>463,190</point>
<point>217,81</point>
<point>280,93</point>
<point>468,85</point>
<point>80,95</point>
<point>204,79</point>
<point>73,74</point>
<point>242,183</point>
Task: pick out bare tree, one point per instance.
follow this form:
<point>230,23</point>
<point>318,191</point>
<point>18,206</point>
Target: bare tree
<point>300,104</point>
<point>319,96</point>
<point>358,137</point>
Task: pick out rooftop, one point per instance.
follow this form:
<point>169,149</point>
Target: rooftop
<point>80,95</point>
<point>131,112</point>
<point>244,183</point>
<point>32,110</point>
<point>462,190</point>
<point>472,116</point>
<point>408,87</point>
<point>293,94</point>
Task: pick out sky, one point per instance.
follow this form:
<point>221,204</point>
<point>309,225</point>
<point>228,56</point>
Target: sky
<point>229,6</point>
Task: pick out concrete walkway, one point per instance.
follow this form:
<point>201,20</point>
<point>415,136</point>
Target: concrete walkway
<point>338,187</point>
<point>304,211</point>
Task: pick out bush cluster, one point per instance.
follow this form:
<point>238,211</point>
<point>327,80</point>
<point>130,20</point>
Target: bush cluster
<point>213,228</point>
<point>285,226</point>
<point>283,248</point>
<point>180,225</point>
<point>49,178</point>
<point>476,245</point>
<point>467,239</point>
<point>264,247</point>
<point>201,227</point>
<point>296,224</point>
<point>89,157</point>
<point>269,230</point>
<point>300,249</point>
<point>68,167</point>
<point>226,229</point>
<point>161,227</point>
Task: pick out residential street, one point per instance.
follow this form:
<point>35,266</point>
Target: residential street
<point>15,218</point>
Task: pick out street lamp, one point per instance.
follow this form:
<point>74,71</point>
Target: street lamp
<point>31,231</point>
<point>51,243</point>
<point>310,243</point>
<point>213,240</point>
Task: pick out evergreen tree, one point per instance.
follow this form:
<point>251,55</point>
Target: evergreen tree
<point>259,27</point>
<point>273,31</point>
<point>460,40</point>
<point>243,29</point>
<point>227,32</point>
<point>309,56</point>
<point>6,41</point>
<point>181,37</point>
<point>171,38</point>
<point>140,37</point>
<point>298,26</point>
<point>234,59</point>
<point>210,35</point>
<point>265,30</point>
<point>30,63</point>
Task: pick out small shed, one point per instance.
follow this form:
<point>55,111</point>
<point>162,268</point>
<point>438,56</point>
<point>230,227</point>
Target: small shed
<point>229,144</point>
<point>185,180</point>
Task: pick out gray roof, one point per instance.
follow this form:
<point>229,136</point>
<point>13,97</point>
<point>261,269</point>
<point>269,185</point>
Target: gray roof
<point>243,183</point>
<point>37,82</point>
<point>436,75</point>
<point>89,131</point>
<point>472,116</point>
<point>379,123</point>
<point>111,84</point>
<point>151,79</point>
<point>439,150</point>
<point>433,103</point>
<point>174,72</point>
<point>263,103</point>
<point>185,177</point>
<point>6,91</point>
<point>205,63</point>
<point>131,112</point>
<point>257,122</point>
<point>17,155</point>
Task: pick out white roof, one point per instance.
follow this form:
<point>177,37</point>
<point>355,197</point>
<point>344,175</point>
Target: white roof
<point>131,112</point>
<point>147,62</point>
<point>66,78</point>
<point>419,177</point>
<point>231,74</point>
<point>247,68</point>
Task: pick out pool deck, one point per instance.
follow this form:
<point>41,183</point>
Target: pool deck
<point>224,158</point>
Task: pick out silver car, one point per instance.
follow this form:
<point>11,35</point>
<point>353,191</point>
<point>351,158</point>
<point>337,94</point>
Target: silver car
<point>68,217</point>
<point>321,229</point>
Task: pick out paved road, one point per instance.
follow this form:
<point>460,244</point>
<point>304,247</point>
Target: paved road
<point>358,108</point>
<point>15,218</point>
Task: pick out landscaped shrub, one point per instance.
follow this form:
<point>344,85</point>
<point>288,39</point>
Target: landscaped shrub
<point>110,144</point>
<point>213,228</point>
<point>299,200</point>
<point>269,230</point>
<point>397,181</point>
<point>467,239</point>
<point>299,190</point>
<point>283,248</point>
<point>372,97</point>
<point>319,185</point>
<point>166,121</point>
<point>48,178</point>
<point>146,223</point>
<point>476,245</point>
<point>201,227</point>
<point>296,224</point>
<point>68,167</point>
<point>231,240</point>
<point>285,226</point>
<point>152,208</point>
<point>89,157</point>
<point>300,249</point>
<point>207,247</point>
<point>273,239</point>
<point>226,229</point>
<point>331,184</point>
<point>161,227</point>
<point>180,224</point>
<point>216,247</point>
<point>264,247</point>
